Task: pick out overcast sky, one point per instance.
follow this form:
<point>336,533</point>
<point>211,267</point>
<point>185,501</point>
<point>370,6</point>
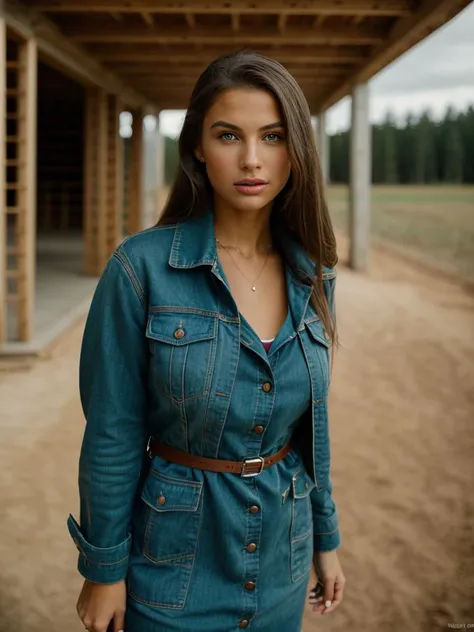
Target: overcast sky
<point>436,73</point>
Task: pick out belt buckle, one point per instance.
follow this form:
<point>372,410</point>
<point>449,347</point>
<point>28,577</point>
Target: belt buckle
<point>252,462</point>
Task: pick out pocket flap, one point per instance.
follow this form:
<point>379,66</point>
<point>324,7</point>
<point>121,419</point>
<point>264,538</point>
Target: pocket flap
<point>318,332</point>
<point>303,484</point>
<point>178,328</point>
<point>170,494</point>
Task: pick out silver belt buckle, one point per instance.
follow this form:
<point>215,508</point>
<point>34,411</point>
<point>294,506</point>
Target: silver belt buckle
<point>248,467</point>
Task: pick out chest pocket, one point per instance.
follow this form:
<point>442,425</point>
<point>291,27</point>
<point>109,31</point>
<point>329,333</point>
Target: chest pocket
<point>183,350</point>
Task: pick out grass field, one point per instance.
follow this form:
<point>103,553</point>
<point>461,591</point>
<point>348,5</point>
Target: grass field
<point>434,221</point>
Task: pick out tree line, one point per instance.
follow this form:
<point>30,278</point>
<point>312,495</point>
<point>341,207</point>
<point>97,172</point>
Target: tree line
<point>420,151</point>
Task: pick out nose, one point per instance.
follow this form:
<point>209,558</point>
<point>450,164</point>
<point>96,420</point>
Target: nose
<point>250,158</point>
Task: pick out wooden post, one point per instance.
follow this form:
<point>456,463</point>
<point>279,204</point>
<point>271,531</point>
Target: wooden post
<point>3,133</point>
<point>114,176</point>
<point>27,115</point>
<point>96,181</point>
<point>135,185</point>
<point>360,178</point>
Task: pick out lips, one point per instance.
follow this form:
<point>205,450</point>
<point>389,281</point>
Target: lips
<point>250,182</point>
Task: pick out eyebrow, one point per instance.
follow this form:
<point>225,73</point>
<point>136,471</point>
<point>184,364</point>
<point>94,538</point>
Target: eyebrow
<point>239,129</point>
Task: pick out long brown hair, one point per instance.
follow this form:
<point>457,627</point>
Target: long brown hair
<point>301,206</point>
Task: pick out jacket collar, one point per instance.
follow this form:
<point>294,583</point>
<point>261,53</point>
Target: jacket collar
<point>194,245</point>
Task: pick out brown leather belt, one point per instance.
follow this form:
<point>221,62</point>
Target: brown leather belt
<point>247,468</point>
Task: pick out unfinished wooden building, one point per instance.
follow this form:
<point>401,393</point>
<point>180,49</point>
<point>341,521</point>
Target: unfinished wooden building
<point>67,70</point>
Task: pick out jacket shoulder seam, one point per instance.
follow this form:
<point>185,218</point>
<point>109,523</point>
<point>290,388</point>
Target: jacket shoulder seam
<point>122,258</point>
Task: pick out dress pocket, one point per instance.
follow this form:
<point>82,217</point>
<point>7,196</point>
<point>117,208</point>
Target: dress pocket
<point>301,533</point>
<point>183,347</point>
<point>169,543</point>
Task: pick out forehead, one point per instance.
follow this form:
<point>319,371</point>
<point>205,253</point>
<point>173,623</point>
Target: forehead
<point>245,107</point>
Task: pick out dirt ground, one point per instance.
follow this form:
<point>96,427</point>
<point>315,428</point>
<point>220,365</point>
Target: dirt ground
<point>402,407</point>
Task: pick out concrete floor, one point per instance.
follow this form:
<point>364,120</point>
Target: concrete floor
<point>63,291</point>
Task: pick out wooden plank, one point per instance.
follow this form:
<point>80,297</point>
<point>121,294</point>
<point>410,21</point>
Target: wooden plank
<point>3,133</point>
<point>101,166</point>
<point>405,34</point>
<point>27,194</point>
<point>302,7</point>
<point>135,214</point>
<point>62,53</point>
<point>209,36</point>
<point>115,58</point>
<point>90,141</point>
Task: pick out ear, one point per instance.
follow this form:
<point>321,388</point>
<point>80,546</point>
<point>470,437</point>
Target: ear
<point>198,155</point>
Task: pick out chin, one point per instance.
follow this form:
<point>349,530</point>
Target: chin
<point>251,203</point>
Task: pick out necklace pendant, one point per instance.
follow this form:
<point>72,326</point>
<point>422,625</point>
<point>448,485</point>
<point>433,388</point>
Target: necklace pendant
<point>254,289</point>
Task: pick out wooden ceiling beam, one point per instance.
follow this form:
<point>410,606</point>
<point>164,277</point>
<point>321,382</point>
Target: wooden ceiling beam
<point>282,20</point>
<point>148,19</point>
<point>190,20</point>
<point>236,22</point>
<point>405,34</point>
<point>331,57</point>
<point>299,55</point>
<point>192,73</point>
<point>309,36</point>
<point>395,8</point>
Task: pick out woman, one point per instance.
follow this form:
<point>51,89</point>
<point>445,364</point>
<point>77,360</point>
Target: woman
<point>209,341</point>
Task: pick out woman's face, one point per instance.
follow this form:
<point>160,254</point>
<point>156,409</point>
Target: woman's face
<point>245,149</point>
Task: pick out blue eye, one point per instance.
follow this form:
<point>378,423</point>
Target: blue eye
<point>227,134</point>
<point>276,137</point>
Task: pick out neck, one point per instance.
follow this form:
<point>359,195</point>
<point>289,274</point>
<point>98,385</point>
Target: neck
<point>248,231</point>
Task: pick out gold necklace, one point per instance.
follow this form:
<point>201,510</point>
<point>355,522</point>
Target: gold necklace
<point>252,284</point>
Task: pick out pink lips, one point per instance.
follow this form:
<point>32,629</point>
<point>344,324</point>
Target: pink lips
<point>251,186</point>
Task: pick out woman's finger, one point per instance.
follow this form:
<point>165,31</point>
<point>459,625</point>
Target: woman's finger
<point>338,595</point>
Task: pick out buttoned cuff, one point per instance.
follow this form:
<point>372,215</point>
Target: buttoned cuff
<point>100,565</point>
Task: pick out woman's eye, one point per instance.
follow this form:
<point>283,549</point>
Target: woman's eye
<point>273,137</point>
<point>226,135</point>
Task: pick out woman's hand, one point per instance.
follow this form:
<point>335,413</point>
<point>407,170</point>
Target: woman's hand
<point>100,604</point>
<point>331,582</point>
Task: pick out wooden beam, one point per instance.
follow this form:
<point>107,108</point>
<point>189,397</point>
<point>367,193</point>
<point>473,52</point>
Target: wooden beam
<point>135,189</point>
<point>147,18</point>
<point>190,20</point>
<point>282,20</point>
<point>26,196</point>
<point>3,219</point>
<point>405,34</point>
<point>190,73</point>
<point>62,53</point>
<point>302,7</point>
<point>209,36</point>
<point>297,54</point>
<point>236,22</point>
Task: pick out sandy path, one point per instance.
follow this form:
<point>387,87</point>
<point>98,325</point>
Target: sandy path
<point>403,445</point>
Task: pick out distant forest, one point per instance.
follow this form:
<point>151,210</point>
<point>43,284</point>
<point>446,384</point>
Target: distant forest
<point>421,151</point>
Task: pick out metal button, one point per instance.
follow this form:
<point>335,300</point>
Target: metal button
<point>161,500</point>
<point>259,429</point>
<point>251,547</point>
<point>250,585</point>
<point>244,623</point>
<point>306,485</point>
<point>267,387</point>
<point>254,509</point>
<point>179,333</point>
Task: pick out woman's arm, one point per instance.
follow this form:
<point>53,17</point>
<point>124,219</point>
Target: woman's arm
<point>113,387</point>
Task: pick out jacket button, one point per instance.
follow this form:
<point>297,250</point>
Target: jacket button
<point>244,623</point>
<point>267,387</point>
<point>251,547</point>
<point>254,509</point>
<point>250,585</point>
<point>161,500</point>
<point>179,333</point>
<point>259,429</point>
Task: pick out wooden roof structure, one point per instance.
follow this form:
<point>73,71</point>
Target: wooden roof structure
<point>154,50</point>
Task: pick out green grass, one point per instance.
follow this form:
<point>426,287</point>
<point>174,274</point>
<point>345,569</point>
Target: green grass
<point>435,221</point>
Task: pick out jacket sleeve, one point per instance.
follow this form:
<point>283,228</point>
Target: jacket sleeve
<point>113,375</point>
<point>325,518</point>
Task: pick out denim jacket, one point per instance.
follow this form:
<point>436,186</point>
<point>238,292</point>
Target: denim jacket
<point>138,376</point>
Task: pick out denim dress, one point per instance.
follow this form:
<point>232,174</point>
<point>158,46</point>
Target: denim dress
<point>166,354</point>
